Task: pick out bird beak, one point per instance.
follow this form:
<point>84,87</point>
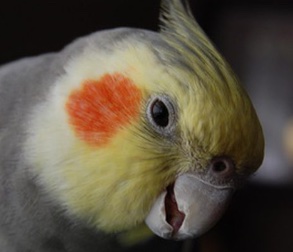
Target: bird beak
<point>188,208</point>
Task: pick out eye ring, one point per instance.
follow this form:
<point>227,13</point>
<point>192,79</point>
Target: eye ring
<point>161,113</point>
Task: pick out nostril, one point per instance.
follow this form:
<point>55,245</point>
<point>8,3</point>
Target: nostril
<point>222,166</point>
<point>219,166</point>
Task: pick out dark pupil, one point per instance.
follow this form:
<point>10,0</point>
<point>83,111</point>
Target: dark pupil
<point>160,113</point>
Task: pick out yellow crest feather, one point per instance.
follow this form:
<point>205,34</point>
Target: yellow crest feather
<point>216,91</point>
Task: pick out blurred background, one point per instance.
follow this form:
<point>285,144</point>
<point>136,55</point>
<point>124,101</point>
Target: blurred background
<point>256,37</point>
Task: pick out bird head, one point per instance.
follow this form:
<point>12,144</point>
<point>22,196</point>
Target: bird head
<point>145,127</point>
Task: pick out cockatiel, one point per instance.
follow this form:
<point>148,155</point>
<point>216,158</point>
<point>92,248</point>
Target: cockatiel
<point>121,128</point>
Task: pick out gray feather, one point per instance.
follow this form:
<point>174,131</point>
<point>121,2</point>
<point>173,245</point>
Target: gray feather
<point>29,219</point>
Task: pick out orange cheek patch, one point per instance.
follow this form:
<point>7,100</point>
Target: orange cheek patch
<point>100,107</point>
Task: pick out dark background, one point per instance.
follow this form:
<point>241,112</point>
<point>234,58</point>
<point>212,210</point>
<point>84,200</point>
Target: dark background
<point>257,39</point>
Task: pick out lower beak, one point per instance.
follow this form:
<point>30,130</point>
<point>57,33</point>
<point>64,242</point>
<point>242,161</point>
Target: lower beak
<point>188,208</point>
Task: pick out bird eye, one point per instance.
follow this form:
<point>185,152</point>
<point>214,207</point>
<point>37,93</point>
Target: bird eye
<point>161,113</point>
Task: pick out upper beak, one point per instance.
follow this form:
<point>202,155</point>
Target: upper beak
<point>188,208</point>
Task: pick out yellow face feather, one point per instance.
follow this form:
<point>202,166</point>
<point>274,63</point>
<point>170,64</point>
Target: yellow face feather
<point>112,184</point>
<point>102,183</point>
